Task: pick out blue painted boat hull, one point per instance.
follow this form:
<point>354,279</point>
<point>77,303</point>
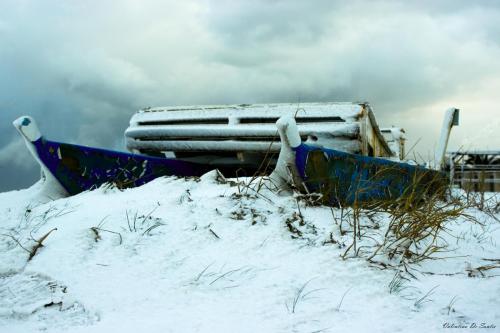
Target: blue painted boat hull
<point>347,179</point>
<point>79,168</point>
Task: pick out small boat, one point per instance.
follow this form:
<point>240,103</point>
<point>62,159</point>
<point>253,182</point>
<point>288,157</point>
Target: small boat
<point>345,179</point>
<point>72,169</point>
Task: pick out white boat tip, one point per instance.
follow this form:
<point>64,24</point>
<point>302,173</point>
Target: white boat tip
<point>288,127</point>
<point>28,128</point>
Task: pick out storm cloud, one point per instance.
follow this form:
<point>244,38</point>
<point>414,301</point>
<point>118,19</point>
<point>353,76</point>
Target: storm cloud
<point>83,68</point>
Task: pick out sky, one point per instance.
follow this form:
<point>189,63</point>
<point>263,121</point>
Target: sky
<point>82,68</point>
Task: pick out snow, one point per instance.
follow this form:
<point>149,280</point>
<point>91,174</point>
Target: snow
<point>209,255</point>
<point>347,111</point>
<point>229,137</point>
<point>286,171</point>
<point>335,129</point>
<point>221,127</point>
<point>196,145</point>
<point>397,133</point>
<point>232,137</point>
<point>449,121</point>
<point>395,138</point>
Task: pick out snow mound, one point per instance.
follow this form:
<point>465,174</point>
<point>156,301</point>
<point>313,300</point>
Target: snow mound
<point>33,297</point>
<point>207,255</point>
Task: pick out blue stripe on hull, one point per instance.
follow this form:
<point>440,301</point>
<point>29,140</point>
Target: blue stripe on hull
<point>80,168</point>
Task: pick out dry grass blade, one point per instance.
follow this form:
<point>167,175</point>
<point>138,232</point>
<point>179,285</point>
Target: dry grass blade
<point>39,244</point>
<point>213,233</point>
<point>451,304</point>
<point>424,299</point>
<point>226,274</point>
<point>299,295</point>
<point>96,229</point>
<point>17,241</point>
<point>198,277</point>
<point>342,299</point>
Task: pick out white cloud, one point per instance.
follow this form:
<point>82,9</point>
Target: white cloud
<point>15,154</point>
<point>83,68</point>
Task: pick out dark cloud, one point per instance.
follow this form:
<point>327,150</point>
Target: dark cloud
<point>83,68</point>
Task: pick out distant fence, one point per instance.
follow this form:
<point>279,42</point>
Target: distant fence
<point>475,171</point>
<point>478,180</point>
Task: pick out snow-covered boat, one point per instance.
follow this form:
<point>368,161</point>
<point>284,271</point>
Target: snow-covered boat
<point>347,179</point>
<point>342,177</point>
<point>244,135</point>
<point>71,169</point>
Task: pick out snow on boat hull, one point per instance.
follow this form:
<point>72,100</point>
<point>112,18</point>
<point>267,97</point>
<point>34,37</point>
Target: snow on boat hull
<point>78,168</point>
<point>346,179</point>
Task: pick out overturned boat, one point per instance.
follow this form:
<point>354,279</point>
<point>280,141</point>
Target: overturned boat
<point>336,150</point>
<point>244,136</point>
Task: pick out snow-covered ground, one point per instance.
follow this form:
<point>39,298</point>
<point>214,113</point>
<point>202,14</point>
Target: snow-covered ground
<point>179,255</point>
